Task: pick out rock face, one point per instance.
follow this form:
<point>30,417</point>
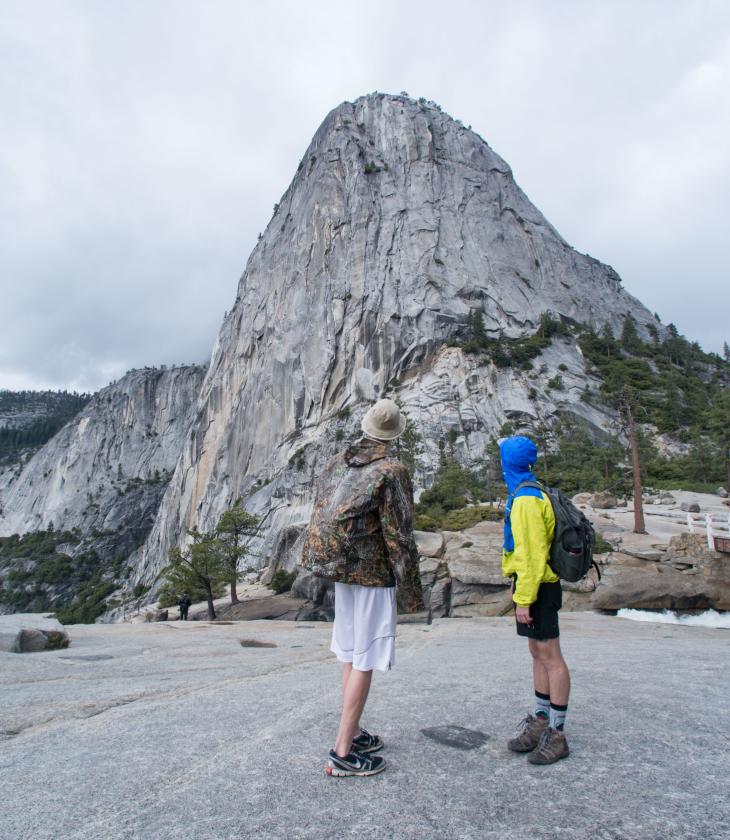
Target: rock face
<point>636,584</point>
<point>111,463</point>
<point>398,223</point>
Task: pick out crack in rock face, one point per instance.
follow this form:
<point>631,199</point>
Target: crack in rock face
<point>92,657</point>
<point>456,736</point>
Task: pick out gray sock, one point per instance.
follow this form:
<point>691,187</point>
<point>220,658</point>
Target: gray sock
<point>557,715</point>
<point>542,705</point>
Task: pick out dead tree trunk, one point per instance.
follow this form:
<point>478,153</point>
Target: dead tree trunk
<point>639,525</point>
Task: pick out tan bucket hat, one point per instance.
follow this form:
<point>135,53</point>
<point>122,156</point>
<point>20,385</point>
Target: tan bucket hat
<point>384,421</point>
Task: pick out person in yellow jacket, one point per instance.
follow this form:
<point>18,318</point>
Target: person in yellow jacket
<point>529,525</point>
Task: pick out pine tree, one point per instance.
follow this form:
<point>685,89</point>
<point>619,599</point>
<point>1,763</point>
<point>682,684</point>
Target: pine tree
<point>478,333</point>
<point>630,340</point>
<point>202,564</point>
<point>235,529</point>
<point>608,339</point>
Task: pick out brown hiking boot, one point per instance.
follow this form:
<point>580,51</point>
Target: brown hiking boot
<point>528,735</point>
<point>552,747</point>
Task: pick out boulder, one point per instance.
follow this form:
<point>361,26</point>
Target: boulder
<point>582,499</point>
<point>440,596</point>
<point>283,607</point>
<point>436,585</point>
<point>161,615</point>
<point>31,632</point>
<point>476,580</point>
<point>690,507</point>
<point>430,544</point>
<point>317,614</point>
<point>479,601</point>
<point>692,578</point>
<point>722,492</point>
<point>313,588</point>
<point>658,587</point>
<point>604,501</point>
<point>473,562</point>
<point>587,584</point>
<point>467,568</point>
<point>427,569</point>
<point>690,545</point>
<point>651,554</point>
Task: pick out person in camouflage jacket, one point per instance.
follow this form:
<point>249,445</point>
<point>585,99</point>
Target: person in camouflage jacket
<point>361,528</point>
<point>361,537</point>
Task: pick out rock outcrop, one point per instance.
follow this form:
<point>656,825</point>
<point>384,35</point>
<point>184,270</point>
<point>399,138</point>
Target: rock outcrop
<point>685,575</point>
<point>399,223</point>
<point>31,633</point>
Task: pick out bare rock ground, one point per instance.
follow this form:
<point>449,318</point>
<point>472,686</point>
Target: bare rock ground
<point>178,729</point>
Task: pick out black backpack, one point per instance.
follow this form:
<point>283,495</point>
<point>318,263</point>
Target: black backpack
<point>571,551</point>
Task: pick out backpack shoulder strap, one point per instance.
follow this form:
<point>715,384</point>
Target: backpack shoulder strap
<point>534,484</point>
<point>520,486</point>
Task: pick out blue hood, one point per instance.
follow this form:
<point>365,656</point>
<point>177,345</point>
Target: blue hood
<point>518,455</point>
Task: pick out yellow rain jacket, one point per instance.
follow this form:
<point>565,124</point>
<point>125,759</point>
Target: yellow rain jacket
<point>533,525</point>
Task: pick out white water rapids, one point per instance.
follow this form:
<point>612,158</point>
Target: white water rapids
<point>709,618</point>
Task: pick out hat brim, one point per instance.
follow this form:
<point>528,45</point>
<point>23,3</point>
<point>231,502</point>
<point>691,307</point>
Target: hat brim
<point>374,431</point>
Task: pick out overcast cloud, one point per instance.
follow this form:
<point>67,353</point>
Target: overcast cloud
<point>143,145</point>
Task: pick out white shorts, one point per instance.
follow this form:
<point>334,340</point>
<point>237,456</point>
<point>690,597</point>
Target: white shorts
<point>364,631</point>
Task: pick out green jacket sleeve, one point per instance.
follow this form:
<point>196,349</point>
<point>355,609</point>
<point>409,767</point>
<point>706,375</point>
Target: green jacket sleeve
<point>396,519</point>
<point>532,547</point>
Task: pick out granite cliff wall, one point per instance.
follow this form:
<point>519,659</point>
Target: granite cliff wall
<point>398,223</point>
<point>106,470</point>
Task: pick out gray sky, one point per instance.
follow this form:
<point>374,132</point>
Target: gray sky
<point>143,145</point>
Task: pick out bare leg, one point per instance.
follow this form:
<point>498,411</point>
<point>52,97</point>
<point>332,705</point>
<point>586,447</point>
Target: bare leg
<point>539,672</point>
<point>346,671</point>
<point>548,659</point>
<point>356,686</point>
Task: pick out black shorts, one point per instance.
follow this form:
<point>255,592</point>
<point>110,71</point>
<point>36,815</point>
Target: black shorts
<point>544,613</point>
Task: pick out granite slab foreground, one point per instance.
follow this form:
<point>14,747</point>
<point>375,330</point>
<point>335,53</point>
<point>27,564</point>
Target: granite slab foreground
<point>179,730</point>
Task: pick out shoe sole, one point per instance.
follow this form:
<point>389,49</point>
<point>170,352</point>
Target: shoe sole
<point>545,763</point>
<point>521,750</point>
<point>337,771</point>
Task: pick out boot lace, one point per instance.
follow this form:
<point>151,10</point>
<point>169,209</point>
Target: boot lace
<point>524,725</point>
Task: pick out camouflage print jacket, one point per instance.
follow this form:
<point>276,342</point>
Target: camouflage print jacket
<point>361,529</point>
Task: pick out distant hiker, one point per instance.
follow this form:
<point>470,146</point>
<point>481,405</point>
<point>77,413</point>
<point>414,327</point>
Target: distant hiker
<point>528,532</point>
<point>361,536</point>
<point>184,603</point>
